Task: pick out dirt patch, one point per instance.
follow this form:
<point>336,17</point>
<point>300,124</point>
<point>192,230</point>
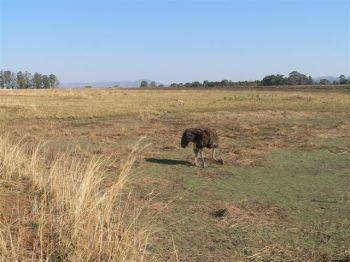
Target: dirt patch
<point>160,207</point>
<point>249,211</point>
<point>245,156</point>
<point>257,207</point>
<point>18,209</point>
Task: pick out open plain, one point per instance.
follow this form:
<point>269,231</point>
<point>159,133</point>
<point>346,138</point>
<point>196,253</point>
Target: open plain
<point>282,194</point>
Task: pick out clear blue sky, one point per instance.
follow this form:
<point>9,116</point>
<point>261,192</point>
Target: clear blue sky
<point>183,40</point>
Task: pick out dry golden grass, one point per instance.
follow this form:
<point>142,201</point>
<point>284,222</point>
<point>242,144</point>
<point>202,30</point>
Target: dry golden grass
<point>147,104</point>
<point>70,215</point>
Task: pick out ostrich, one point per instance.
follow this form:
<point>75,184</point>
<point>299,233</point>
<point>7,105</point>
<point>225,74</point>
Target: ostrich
<point>201,138</point>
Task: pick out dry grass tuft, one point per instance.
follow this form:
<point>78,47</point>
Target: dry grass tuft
<point>72,215</point>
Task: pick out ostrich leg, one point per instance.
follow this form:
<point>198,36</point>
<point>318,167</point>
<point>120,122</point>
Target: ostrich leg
<point>196,151</point>
<point>202,156</point>
<point>214,155</point>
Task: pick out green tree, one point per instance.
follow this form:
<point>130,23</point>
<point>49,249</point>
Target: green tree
<point>224,83</point>
<point>46,82</point>
<point>53,81</point>
<point>310,80</point>
<point>195,84</point>
<point>13,81</point>
<point>7,79</point>
<point>21,80</point>
<point>37,80</point>
<point>153,84</point>
<point>28,79</point>
<point>273,80</point>
<point>2,85</point>
<point>343,80</point>
<point>296,78</point>
<point>144,83</point>
<point>324,81</point>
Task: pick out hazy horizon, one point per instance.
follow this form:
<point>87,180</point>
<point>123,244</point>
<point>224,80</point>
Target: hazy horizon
<point>175,41</point>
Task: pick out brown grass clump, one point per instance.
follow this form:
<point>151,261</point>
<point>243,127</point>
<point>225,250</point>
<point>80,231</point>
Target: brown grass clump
<point>69,214</point>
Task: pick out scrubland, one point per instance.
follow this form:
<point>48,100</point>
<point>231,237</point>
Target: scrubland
<point>98,175</point>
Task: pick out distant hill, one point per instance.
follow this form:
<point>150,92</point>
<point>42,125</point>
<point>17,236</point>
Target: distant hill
<point>127,84</point>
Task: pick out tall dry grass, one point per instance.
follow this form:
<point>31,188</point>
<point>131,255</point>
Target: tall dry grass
<point>76,216</point>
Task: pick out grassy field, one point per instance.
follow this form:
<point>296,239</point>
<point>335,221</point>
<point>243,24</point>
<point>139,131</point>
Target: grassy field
<point>283,193</point>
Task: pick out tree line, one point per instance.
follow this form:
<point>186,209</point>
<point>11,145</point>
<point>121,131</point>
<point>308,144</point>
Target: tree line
<point>26,80</point>
<point>294,78</point>
<point>145,84</point>
<point>223,83</point>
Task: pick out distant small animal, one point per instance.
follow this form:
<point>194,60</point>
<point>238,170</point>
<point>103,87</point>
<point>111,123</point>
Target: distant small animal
<point>201,137</point>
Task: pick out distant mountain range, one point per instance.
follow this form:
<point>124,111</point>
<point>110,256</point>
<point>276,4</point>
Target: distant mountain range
<point>102,84</point>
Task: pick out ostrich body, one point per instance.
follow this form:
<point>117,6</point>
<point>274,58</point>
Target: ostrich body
<point>201,138</point>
